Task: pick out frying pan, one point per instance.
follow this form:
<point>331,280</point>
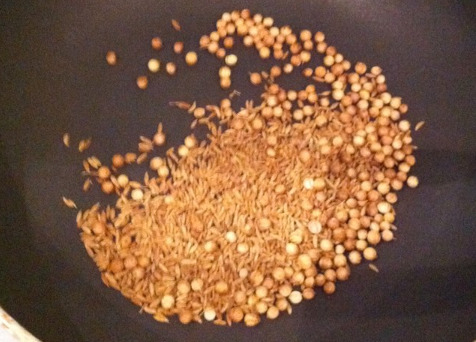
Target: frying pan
<point>54,79</point>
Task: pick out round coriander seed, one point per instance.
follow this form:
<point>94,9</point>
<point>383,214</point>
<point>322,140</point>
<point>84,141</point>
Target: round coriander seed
<point>159,139</point>
<point>123,180</point>
<point>231,60</point>
<point>170,68</point>
<point>163,171</point>
<point>255,78</point>
<point>191,58</point>
<point>225,83</point>
<point>295,297</point>
<point>185,317</point>
<point>178,47</point>
<point>104,172</point>
<point>209,314</point>
<point>117,161</point>
<point>272,313</point>
<point>137,194</point>
<point>412,181</point>
<point>224,72</point>
<point>167,301</point>
<point>153,65</point>
<point>156,43</point>
<point>142,82</point>
<point>111,58</point>
<point>236,314</point>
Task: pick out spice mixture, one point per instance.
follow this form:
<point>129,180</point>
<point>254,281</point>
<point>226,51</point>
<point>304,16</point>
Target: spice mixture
<point>280,199</point>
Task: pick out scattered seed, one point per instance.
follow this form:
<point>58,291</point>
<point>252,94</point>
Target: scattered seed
<point>142,82</point>
<point>231,60</point>
<point>412,181</point>
<point>373,268</point>
<point>178,47</point>
<point>94,162</point>
<point>419,125</point>
<point>153,65</point>
<point>87,184</point>
<point>191,58</point>
<point>84,144</point>
<point>69,203</point>
<point>156,43</point>
<point>111,58</point>
<point>66,139</point>
<point>255,78</point>
<point>176,25</point>
<point>170,68</point>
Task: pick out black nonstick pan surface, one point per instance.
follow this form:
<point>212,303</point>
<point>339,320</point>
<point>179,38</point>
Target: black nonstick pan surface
<point>54,79</point>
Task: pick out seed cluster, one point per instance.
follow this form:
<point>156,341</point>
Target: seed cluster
<point>282,197</point>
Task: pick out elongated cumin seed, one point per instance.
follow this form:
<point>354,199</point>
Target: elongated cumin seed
<point>69,203</point>
<point>84,144</point>
<point>66,139</point>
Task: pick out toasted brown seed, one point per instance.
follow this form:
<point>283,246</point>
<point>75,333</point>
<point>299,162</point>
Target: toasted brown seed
<point>111,58</point>
<point>176,25</point>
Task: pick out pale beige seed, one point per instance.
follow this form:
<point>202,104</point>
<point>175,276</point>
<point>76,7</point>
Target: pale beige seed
<point>295,297</point>
<point>153,65</point>
<point>315,227</point>
<point>419,125</point>
<point>66,139</point>
<point>167,301</point>
<point>373,268</point>
<point>123,180</point>
<point>231,60</point>
<point>231,236</point>
<point>163,171</point>
<point>69,203</point>
<point>137,194</point>
<point>412,181</point>
<point>209,314</point>
<point>292,249</point>
<point>197,285</point>
<point>308,183</point>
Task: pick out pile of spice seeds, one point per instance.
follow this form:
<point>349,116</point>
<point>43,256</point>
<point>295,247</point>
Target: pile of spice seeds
<point>279,200</point>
